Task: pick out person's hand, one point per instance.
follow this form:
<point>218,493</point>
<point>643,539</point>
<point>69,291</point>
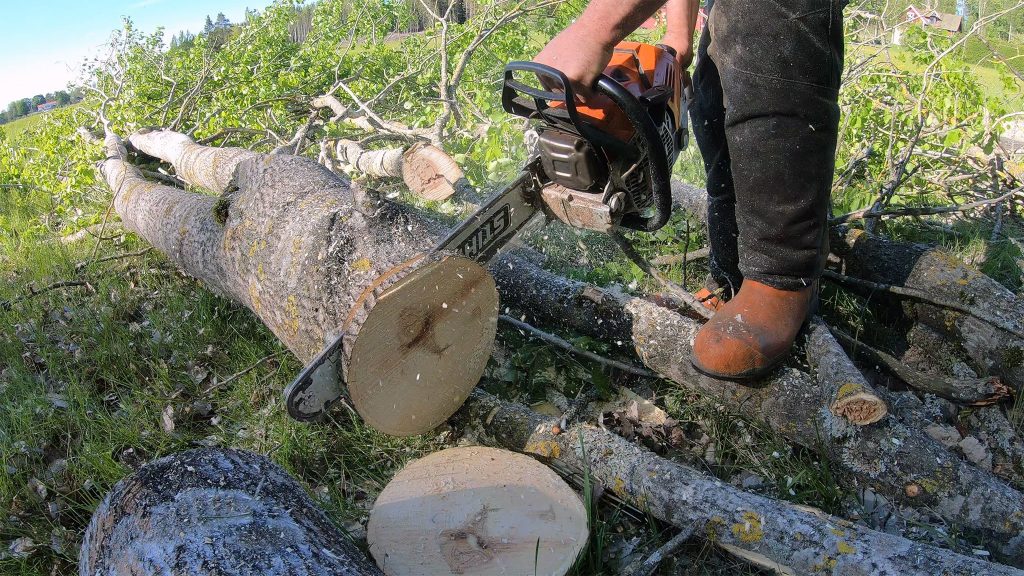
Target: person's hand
<point>579,56</point>
<point>683,45</point>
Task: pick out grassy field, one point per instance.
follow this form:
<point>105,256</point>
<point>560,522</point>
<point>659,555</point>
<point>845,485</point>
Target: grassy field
<point>997,83</point>
<point>23,124</point>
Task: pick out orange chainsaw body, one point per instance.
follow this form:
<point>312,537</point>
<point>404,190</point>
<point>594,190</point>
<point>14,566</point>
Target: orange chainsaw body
<point>638,67</point>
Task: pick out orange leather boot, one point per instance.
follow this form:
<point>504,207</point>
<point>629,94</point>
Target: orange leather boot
<point>751,333</point>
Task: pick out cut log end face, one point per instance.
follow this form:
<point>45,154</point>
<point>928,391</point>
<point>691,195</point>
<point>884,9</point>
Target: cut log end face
<point>424,346</point>
<point>478,511</point>
<point>430,173</point>
<point>858,406</point>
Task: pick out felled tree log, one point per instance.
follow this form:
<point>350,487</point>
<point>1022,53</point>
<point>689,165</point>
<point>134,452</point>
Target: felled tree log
<point>212,512</point>
<point>848,393</point>
<point>426,170</point>
<point>774,534</point>
<point>990,425</point>
<point>969,391</point>
<point>887,455</point>
<point>992,350</point>
<point>287,240</point>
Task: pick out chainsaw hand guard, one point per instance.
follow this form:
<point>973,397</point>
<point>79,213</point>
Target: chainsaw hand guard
<point>645,149</point>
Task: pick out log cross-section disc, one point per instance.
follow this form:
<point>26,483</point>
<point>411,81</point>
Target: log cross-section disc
<point>477,511</point>
<point>424,346</point>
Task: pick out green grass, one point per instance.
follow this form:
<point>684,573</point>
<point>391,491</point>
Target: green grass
<point>18,127</point>
<point>990,74</point>
<point>86,373</point>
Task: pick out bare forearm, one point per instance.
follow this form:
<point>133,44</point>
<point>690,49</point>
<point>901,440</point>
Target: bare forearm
<point>610,21</point>
<point>582,50</point>
<point>681,17</point>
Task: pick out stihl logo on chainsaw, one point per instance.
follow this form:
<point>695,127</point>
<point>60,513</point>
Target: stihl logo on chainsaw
<point>487,234</point>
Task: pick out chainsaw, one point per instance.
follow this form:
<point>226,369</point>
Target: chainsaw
<point>599,165</point>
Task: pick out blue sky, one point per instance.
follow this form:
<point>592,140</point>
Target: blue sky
<point>42,44</point>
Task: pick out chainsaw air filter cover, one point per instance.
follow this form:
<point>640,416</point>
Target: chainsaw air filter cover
<point>570,160</point>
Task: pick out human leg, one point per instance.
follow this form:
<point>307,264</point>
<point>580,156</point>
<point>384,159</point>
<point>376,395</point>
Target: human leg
<point>779,62</point>
<point>708,121</point>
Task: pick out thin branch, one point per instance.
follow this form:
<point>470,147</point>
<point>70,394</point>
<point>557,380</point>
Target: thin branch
<point>669,286</point>
<point>648,566</point>
<point>32,292</point>
<point>229,131</point>
<point>691,256</point>
<point>923,210</point>
<point>975,29</point>
<point>973,392</point>
<point>142,252</point>
<point>924,297</point>
<point>166,179</point>
<point>241,373</point>
<point>564,345</point>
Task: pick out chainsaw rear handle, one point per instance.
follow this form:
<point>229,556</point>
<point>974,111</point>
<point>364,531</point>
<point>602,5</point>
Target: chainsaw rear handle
<point>645,139</point>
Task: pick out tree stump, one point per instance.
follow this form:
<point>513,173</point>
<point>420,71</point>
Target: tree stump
<point>478,511</point>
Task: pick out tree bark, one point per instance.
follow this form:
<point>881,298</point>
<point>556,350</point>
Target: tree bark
<point>287,239</point>
<point>990,426</point>
<point>993,351</point>
<point>212,512</point>
<point>426,170</point>
<point>849,395</point>
<point>297,202</point>
<point>792,540</point>
<point>888,455</point>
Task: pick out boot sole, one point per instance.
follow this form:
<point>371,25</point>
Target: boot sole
<point>748,375</point>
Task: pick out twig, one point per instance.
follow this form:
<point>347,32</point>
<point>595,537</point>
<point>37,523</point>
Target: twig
<point>924,297</point>
<point>241,373</point>
<point>648,566</point>
<point>670,259</point>
<point>973,392</point>
<point>564,345</point>
<point>923,210</point>
<point>142,252</point>
<point>229,131</point>
<point>91,231</point>
<point>671,287</point>
<point>103,225</point>
<point>166,179</point>
<point>32,292</point>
